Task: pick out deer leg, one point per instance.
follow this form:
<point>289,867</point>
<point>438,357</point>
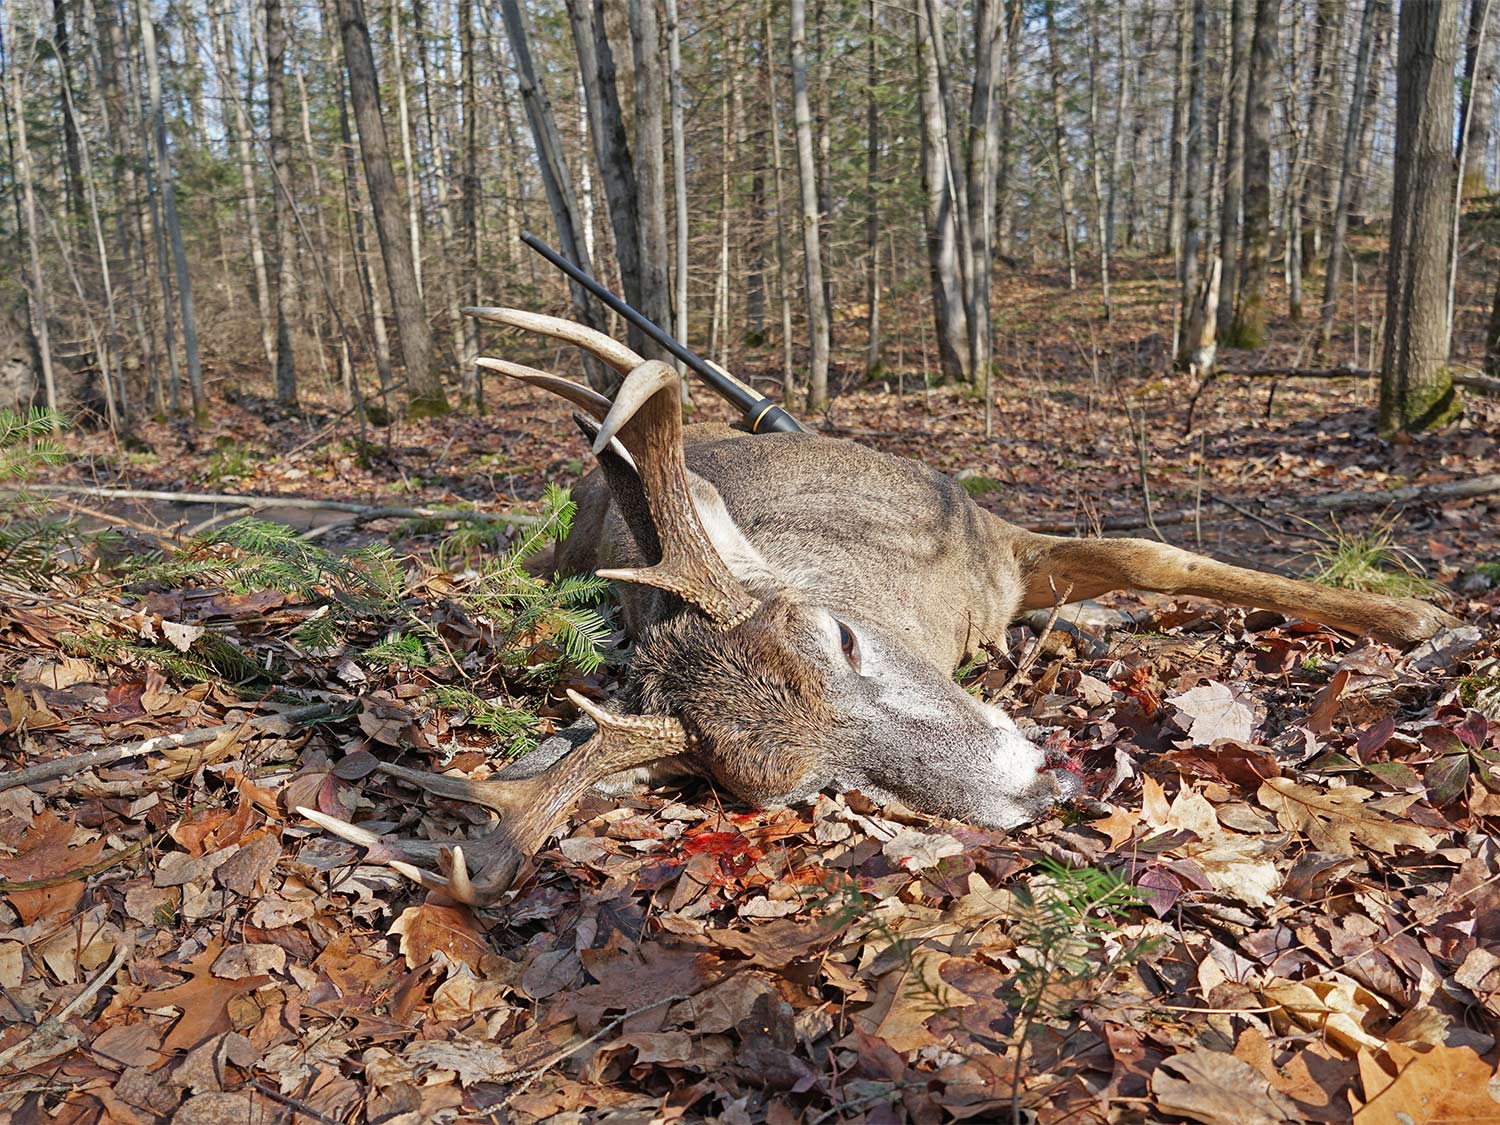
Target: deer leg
<point>1096,566</point>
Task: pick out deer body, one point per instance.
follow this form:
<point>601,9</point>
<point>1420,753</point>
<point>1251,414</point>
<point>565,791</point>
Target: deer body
<point>798,605</point>
<point>881,538</point>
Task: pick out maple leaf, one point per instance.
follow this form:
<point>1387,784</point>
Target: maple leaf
<point>1215,710</point>
<point>1336,819</point>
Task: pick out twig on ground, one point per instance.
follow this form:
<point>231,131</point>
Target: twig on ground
<point>52,1027</point>
<point>1030,656</point>
<point>1326,502</point>
<point>1268,525</point>
<point>108,755</point>
<point>7,886</point>
<point>94,513</point>
<point>536,1070</point>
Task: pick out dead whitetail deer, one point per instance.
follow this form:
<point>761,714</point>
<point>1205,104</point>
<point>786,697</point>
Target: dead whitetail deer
<point>798,605</point>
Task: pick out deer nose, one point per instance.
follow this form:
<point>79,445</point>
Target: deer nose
<point>1068,784</point>
<point>1064,771</point>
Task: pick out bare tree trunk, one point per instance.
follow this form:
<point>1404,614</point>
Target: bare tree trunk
<point>473,386</point>
<point>554,170</point>
<point>123,101</point>
<point>369,289</point>
<point>1192,176</point>
<point>1336,241</point>
<point>169,213</point>
<point>1317,184</point>
<point>111,374</point>
<point>617,171</point>
<point>650,166</point>
<point>1005,217</point>
<point>823,132</point>
<point>950,319</point>
<point>1234,161</point>
<point>1181,95</point>
<point>1475,97</point>
<point>872,198</point>
<point>1296,173</point>
<point>1416,387</point>
<point>408,158</point>
<point>1060,155</point>
<point>980,197</point>
<point>283,237</point>
<point>1117,157</point>
<point>817,310</point>
<point>36,281</point>
<point>1096,154</point>
<point>783,262</point>
<point>242,141</point>
<point>719,321</point>
<point>73,169</point>
<point>1249,327</point>
<point>442,165</point>
<point>424,380</point>
<point>679,168</point>
<point>1385,48</point>
<point>957,182</point>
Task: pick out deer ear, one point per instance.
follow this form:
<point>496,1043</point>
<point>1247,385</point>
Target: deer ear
<point>742,558</point>
<point>729,542</point>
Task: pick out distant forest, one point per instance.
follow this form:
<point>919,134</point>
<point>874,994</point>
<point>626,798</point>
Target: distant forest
<point>299,196</point>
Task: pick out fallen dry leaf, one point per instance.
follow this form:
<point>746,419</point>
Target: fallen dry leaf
<point>1437,1086</point>
<point>1336,819</point>
<point>1218,1089</point>
<point>1213,711</point>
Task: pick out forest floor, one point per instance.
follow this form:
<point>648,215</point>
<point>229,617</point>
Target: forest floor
<point>1280,901</point>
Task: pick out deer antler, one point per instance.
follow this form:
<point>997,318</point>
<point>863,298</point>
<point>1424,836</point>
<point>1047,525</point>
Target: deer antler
<point>479,871</point>
<point>646,418</point>
<point>591,340</point>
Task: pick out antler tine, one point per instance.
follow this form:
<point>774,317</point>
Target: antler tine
<point>576,393</point>
<point>479,871</point>
<point>647,419</point>
<point>591,340</point>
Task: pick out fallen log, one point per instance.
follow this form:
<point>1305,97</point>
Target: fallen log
<point>1473,380</point>
<point>363,512</point>
<point>1325,502</point>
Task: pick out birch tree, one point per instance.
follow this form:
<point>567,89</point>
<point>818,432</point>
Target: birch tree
<point>283,236</point>
<point>807,176</point>
<point>169,212</point>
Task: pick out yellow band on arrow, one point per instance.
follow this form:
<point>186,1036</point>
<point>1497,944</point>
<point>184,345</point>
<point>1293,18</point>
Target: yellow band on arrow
<point>770,406</point>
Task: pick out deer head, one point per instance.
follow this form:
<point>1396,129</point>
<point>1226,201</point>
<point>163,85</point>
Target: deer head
<point>758,682</point>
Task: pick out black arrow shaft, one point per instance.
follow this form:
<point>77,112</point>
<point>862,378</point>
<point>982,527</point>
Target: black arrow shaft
<point>761,414</point>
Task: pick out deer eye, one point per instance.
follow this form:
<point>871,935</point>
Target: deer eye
<point>849,643</point>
